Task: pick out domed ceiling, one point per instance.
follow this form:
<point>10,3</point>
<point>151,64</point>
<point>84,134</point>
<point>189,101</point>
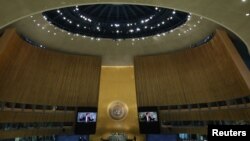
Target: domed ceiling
<point>117,32</point>
<point>116,21</point>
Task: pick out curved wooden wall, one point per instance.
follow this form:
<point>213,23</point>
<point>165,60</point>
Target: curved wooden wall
<point>205,115</point>
<point>31,117</point>
<point>37,132</point>
<point>40,76</point>
<point>189,130</point>
<point>212,72</point>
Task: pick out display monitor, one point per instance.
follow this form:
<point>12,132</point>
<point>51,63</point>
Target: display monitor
<point>86,118</point>
<point>149,116</point>
<point>148,120</point>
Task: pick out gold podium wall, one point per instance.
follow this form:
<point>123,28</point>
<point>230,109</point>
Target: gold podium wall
<point>117,84</point>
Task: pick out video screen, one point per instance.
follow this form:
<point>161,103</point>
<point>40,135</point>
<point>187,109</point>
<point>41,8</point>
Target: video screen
<point>148,117</point>
<point>86,117</point>
<point>148,120</point>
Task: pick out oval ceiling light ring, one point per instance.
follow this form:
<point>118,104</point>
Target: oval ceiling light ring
<point>121,21</point>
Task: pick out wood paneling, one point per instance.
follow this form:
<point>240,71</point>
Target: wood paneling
<point>235,56</point>
<point>35,132</point>
<point>189,130</point>
<point>196,75</point>
<point>41,76</point>
<point>205,115</point>
<point>22,117</point>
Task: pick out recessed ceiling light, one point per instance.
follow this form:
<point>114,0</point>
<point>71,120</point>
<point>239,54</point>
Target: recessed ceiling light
<point>247,14</point>
<point>243,0</point>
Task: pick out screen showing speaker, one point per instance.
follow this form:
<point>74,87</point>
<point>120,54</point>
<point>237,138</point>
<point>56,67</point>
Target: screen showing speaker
<point>148,116</point>
<point>148,120</point>
<point>86,118</point>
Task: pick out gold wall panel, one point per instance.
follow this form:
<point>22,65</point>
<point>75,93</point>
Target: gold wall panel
<point>117,84</point>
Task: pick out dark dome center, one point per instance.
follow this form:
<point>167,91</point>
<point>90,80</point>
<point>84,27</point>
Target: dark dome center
<point>116,21</point>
